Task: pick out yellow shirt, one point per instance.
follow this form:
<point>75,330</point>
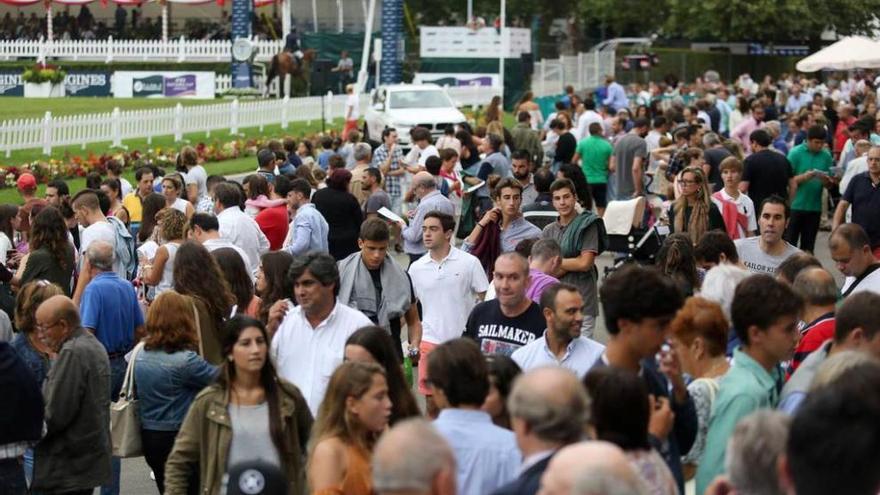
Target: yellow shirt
<point>132,203</point>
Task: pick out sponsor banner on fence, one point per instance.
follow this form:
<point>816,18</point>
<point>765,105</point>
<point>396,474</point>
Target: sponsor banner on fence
<point>11,84</point>
<point>456,79</point>
<point>87,84</point>
<point>144,84</point>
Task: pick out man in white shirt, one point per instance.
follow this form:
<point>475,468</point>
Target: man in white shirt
<point>87,210</point>
<point>422,148</point>
<point>309,339</point>
<point>586,118</point>
<point>851,252</point>
<point>237,227</point>
<point>205,229</point>
<point>561,344</point>
<point>448,272</point>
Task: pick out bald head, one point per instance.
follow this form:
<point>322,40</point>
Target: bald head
<point>549,408</point>
<point>570,466</point>
<point>100,256</point>
<point>56,318</point>
<point>423,183</point>
<point>816,286</point>
<point>413,459</point>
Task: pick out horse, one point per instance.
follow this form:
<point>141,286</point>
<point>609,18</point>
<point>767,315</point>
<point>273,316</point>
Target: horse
<point>285,63</point>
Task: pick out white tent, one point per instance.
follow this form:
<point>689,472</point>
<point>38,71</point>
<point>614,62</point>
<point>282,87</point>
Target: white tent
<point>853,52</point>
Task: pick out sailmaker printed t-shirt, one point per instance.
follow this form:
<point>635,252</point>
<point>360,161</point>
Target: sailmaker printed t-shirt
<point>497,334</point>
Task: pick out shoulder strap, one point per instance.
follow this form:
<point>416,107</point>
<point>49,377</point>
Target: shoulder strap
<point>859,279</point>
<point>127,390</point>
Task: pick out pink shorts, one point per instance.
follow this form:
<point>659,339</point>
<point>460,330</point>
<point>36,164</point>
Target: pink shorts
<point>425,348</point>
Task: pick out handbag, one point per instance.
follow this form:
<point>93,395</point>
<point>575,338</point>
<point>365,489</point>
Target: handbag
<point>125,421</point>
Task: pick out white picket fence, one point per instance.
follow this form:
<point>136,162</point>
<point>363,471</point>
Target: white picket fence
<point>586,70</point>
<point>109,50</point>
<point>117,126</point>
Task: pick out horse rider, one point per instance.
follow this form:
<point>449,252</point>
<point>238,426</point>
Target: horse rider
<point>291,44</point>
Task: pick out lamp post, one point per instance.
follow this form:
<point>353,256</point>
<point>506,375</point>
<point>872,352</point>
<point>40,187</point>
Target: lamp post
<point>504,41</point>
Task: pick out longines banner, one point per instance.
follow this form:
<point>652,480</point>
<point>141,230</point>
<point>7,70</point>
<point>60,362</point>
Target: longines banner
<point>144,84</point>
<point>75,84</point>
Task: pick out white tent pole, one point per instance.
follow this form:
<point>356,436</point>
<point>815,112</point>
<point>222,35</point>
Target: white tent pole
<point>503,32</point>
<point>165,21</point>
<point>285,19</point>
<point>315,15</point>
<point>365,56</point>
<point>50,35</point>
<point>339,19</point>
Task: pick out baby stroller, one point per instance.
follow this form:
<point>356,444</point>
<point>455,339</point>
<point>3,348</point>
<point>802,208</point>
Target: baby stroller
<point>631,235</point>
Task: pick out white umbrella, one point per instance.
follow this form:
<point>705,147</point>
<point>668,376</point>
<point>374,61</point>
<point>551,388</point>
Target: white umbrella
<point>853,52</point>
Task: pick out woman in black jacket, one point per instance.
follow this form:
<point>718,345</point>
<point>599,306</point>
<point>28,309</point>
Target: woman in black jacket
<point>342,212</point>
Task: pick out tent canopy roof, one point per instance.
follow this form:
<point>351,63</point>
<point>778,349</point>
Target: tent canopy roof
<point>853,52</point>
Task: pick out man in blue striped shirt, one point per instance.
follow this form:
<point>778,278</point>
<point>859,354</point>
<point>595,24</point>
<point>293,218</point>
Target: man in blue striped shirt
<point>308,230</point>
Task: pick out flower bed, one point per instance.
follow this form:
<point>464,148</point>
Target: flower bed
<point>72,166</point>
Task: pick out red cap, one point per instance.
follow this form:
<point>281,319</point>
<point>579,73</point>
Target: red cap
<point>26,181</point>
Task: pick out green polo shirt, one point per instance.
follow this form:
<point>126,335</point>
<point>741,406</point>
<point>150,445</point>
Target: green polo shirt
<point>809,193</point>
<point>595,152</point>
<point>745,388</point>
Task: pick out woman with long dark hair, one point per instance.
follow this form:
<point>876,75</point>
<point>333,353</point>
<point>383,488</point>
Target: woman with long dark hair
<point>232,267</point>
<point>375,345</point>
<point>354,413</point>
<point>113,189</point>
<point>676,259</point>
<point>502,371</point>
<point>248,414</point>
<point>153,204</point>
<point>343,214</point>
<point>51,255</point>
<point>494,112</point>
<point>169,373</point>
<point>196,274</point>
<point>271,283</point>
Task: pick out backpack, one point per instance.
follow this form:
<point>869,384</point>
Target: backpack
<point>125,250</point>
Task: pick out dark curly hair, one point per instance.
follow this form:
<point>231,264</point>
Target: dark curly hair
<point>197,274</point>
<point>50,231</point>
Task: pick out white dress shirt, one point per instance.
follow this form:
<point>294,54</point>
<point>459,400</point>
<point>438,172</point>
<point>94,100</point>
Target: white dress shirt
<point>214,244</point>
<point>242,231</point>
<point>457,280</point>
<point>580,356</point>
<point>307,356</point>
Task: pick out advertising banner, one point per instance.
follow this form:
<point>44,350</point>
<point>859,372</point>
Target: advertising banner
<point>456,79</point>
<point>87,83</point>
<point>145,84</point>
<point>11,84</point>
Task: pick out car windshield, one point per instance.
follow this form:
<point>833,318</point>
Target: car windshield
<point>419,99</point>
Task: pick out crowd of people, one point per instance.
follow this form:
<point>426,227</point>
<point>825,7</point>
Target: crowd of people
<point>431,320</point>
<point>128,22</point>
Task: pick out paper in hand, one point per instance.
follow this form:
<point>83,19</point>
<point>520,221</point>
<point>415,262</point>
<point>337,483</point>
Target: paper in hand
<point>475,187</point>
<point>390,215</point>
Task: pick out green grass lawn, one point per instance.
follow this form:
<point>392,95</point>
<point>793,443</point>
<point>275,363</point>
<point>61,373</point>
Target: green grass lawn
<point>22,108</point>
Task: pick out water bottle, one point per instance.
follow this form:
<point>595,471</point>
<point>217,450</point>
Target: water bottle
<point>408,370</point>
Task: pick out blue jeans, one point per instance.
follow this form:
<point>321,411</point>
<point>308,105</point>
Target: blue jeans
<point>12,478</point>
<point>118,366</point>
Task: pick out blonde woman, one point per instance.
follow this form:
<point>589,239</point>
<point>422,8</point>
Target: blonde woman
<point>694,212</point>
<point>354,413</point>
<point>172,232</point>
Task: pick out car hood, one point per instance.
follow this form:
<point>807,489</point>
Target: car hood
<point>413,116</point>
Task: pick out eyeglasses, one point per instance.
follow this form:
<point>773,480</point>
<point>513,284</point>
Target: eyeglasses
<point>45,328</point>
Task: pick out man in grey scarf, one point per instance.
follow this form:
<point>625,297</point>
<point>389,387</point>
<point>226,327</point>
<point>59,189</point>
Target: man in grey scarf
<point>373,283</point>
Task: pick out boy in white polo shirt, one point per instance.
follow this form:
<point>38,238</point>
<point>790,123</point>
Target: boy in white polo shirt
<point>448,282</point>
